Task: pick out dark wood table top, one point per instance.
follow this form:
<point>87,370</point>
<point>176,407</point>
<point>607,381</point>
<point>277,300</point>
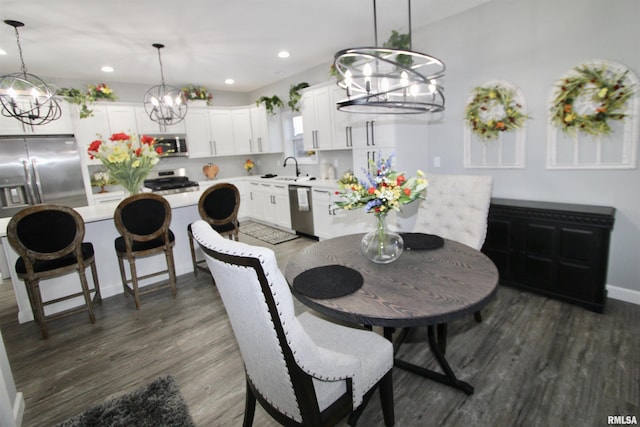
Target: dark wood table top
<point>423,287</point>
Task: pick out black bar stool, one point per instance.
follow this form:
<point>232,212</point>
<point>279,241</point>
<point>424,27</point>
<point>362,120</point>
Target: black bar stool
<point>143,223</point>
<point>48,239</point>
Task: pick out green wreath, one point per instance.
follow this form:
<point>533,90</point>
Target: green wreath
<point>492,110</point>
<point>602,95</point>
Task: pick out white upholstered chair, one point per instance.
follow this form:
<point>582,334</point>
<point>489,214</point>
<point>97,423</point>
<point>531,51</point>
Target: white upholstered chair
<point>302,369</point>
<point>456,208</point>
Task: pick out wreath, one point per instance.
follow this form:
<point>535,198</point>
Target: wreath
<point>493,109</point>
<point>588,99</point>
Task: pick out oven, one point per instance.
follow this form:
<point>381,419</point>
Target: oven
<point>170,182</point>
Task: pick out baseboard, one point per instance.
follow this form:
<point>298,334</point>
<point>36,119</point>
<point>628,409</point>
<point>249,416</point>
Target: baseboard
<point>18,409</point>
<point>623,294</point>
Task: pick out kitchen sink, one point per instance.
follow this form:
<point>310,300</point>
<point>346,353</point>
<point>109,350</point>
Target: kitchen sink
<point>290,178</point>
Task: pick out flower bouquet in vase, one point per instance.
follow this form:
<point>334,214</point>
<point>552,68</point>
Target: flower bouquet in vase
<point>248,166</point>
<point>382,191</point>
<point>127,158</point>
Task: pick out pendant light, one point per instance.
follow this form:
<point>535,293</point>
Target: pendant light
<point>25,96</point>
<point>383,80</point>
<point>163,103</point>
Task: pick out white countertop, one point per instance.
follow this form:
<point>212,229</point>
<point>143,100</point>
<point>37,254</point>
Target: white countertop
<point>104,211</point>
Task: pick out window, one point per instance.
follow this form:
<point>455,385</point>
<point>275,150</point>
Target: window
<point>297,148</point>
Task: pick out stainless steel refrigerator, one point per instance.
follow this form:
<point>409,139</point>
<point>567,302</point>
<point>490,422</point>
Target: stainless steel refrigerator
<point>39,169</point>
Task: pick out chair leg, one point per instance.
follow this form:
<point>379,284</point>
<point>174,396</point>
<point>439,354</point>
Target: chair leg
<point>134,282</point>
<point>386,399</point>
<point>97,296</point>
<point>39,313</point>
<point>193,253</point>
<point>172,270</point>
<point>478,316</point>
<point>249,407</point>
<point>87,295</point>
<point>123,276</point>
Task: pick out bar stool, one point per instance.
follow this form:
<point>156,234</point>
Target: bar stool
<point>218,206</point>
<point>48,239</point>
<point>143,223</point>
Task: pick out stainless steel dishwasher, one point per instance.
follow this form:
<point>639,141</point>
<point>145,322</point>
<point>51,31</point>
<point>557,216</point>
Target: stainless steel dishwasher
<point>301,209</point>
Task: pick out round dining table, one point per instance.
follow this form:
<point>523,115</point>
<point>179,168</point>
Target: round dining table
<point>421,288</point>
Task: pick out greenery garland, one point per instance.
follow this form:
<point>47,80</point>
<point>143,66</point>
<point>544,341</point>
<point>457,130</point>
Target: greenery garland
<point>493,109</point>
<point>605,93</point>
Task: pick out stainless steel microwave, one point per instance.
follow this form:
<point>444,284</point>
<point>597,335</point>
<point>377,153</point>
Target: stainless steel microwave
<point>173,145</point>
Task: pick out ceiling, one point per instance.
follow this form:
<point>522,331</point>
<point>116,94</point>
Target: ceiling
<point>207,41</point>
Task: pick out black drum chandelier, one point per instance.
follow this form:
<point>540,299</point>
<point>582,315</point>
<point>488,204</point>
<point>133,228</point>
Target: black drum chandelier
<point>25,96</point>
<point>385,80</point>
<point>163,103</point>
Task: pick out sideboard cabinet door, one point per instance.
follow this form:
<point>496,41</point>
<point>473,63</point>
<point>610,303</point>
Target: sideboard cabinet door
<point>556,249</point>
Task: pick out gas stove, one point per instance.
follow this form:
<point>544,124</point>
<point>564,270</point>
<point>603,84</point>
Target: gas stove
<point>170,182</point>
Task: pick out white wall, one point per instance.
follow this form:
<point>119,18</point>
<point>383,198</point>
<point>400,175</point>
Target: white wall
<point>532,43</point>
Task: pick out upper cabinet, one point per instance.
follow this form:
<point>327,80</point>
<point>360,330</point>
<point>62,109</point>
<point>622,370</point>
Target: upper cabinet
<point>148,126</point>
<point>317,118</point>
<point>63,125</point>
<point>242,136</point>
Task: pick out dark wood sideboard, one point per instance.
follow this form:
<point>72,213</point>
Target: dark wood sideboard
<point>555,249</point>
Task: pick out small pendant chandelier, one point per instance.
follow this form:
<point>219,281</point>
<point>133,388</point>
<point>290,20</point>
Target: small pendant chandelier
<point>163,103</point>
<point>386,80</point>
<point>26,97</point>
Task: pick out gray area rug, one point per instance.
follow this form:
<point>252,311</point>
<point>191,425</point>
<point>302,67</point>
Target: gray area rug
<point>157,404</point>
<point>266,233</point>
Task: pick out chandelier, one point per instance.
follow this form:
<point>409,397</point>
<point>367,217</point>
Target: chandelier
<point>27,97</point>
<point>389,80</point>
<point>163,103</point>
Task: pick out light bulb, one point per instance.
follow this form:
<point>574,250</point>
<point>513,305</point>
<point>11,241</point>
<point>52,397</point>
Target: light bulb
<point>367,77</point>
<point>384,84</point>
<point>167,100</point>
<point>35,93</point>
<point>414,90</point>
<point>12,93</point>
<point>404,79</point>
<point>154,101</point>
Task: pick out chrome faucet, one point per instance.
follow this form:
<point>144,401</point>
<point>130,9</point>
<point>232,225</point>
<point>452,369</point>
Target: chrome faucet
<point>294,159</point>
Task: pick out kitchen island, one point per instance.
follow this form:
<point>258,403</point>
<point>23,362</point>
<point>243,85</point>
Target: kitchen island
<point>100,230</point>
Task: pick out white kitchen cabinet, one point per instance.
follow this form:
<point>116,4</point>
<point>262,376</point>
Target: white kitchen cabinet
<point>63,125</point>
<point>405,136</point>
<point>329,222</point>
<point>241,121</point>
<point>271,203</point>
<point>342,122</point>
<point>148,126</point>
<point>197,127</point>
<point>209,132</point>
<point>317,118</point>
<point>122,118</point>
<point>259,130</point>
<point>222,132</point>
<point>105,121</point>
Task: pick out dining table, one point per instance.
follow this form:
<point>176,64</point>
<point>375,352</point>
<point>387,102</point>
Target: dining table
<point>422,288</point>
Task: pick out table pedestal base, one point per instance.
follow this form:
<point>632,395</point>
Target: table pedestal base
<point>448,378</point>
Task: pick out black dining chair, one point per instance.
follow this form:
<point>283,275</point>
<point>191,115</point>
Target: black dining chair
<point>143,223</point>
<point>48,239</point>
<point>218,206</point>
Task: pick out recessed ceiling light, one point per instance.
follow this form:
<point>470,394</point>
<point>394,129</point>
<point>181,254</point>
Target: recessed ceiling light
<point>107,69</point>
<point>229,81</point>
<point>283,54</point>
<point>2,52</point>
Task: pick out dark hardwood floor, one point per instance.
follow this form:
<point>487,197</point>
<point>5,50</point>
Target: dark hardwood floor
<point>533,361</point>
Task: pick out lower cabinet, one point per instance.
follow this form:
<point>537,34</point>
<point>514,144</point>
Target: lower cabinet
<point>329,222</point>
<point>555,249</point>
<point>270,203</point>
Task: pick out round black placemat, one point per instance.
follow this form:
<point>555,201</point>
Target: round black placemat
<point>329,281</point>
<point>421,241</point>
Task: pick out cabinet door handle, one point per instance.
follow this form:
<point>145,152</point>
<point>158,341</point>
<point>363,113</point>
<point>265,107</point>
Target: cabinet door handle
<point>214,148</point>
<point>373,141</point>
<point>367,127</point>
<point>350,137</point>
<point>251,195</point>
<point>260,144</point>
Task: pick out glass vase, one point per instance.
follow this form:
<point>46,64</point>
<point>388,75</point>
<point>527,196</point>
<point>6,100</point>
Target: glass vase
<point>381,245</point>
<point>133,185</point>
